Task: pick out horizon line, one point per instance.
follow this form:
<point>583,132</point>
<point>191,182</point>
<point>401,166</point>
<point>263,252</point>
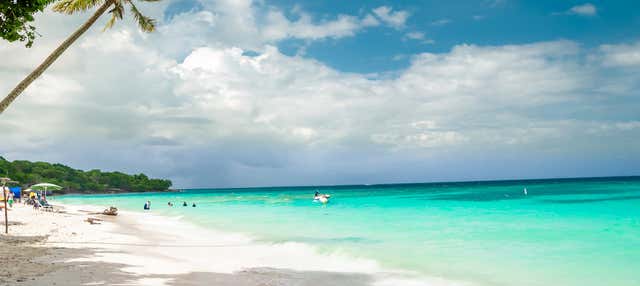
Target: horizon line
<point>417,183</point>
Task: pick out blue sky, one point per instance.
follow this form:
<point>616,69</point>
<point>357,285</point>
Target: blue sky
<point>450,23</point>
<point>233,93</point>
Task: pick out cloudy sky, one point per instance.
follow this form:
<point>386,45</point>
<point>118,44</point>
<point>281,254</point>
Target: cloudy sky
<point>233,93</point>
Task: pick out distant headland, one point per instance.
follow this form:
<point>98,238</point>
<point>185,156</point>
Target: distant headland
<point>27,173</point>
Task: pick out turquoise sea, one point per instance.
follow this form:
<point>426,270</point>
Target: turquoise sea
<point>564,232</point>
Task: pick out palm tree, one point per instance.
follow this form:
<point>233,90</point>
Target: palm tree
<point>72,6</point>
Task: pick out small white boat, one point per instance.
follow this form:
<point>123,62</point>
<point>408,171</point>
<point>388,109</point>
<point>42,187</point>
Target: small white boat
<point>525,191</point>
<point>322,198</point>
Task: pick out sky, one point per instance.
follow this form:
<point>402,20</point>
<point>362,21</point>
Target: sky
<point>241,93</point>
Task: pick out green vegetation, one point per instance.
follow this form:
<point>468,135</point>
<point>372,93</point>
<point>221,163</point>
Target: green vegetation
<point>72,180</point>
<point>16,17</point>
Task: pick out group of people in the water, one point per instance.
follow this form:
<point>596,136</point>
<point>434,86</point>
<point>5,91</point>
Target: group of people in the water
<point>317,197</point>
<point>147,205</point>
<point>323,198</point>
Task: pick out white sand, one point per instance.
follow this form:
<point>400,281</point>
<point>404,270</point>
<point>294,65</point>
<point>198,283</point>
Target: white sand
<point>152,250</point>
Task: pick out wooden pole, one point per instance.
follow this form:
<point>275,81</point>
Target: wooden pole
<point>6,219</point>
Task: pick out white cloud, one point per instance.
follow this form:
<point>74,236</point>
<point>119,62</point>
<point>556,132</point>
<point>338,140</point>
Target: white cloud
<point>396,19</point>
<point>586,9</point>
<point>624,55</point>
<point>252,25</point>
<point>399,57</point>
<point>279,27</point>
<point>124,100</point>
<point>370,21</point>
<point>441,22</point>
<point>415,35</point>
<point>418,36</point>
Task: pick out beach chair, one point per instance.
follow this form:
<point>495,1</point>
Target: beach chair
<point>46,206</point>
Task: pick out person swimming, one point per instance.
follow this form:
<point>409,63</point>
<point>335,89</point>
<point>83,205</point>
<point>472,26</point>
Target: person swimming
<point>147,205</point>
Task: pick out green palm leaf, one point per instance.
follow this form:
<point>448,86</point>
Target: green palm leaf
<point>117,12</point>
<point>145,23</point>
<point>72,6</point>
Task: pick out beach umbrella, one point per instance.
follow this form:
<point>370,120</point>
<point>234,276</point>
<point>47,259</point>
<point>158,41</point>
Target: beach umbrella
<point>45,186</point>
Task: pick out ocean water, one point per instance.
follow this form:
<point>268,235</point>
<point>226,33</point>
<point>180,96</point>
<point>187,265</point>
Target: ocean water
<point>564,232</point>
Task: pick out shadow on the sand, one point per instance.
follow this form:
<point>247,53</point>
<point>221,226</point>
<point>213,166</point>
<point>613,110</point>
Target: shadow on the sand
<point>45,266</point>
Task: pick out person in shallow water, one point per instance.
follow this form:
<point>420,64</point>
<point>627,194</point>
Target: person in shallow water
<point>170,204</point>
<point>194,205</point>
<point>147,205</point>
<point>184,204</point>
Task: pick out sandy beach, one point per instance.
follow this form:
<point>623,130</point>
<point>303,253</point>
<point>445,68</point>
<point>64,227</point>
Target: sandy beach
<point>62,248</point>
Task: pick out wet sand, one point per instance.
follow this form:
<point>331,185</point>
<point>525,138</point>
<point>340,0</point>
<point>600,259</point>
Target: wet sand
<point>63,249</point>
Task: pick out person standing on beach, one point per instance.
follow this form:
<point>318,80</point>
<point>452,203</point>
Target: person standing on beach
<point>147,205</point>
<point>10,199</point>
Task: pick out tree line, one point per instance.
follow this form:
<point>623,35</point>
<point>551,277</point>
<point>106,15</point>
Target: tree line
<point>27,173</point>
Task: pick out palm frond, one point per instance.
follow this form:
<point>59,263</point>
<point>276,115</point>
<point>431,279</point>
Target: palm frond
<point>110,23</point>
<point>117,12</point>
<point>72,6</point>
<point>145,23</point>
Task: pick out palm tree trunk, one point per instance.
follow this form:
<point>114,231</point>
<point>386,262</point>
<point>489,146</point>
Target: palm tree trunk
<point>53,57</point>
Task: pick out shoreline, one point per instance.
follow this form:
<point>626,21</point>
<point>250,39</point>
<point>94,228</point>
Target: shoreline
<point>75,193</point>
<point>137,248</point>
